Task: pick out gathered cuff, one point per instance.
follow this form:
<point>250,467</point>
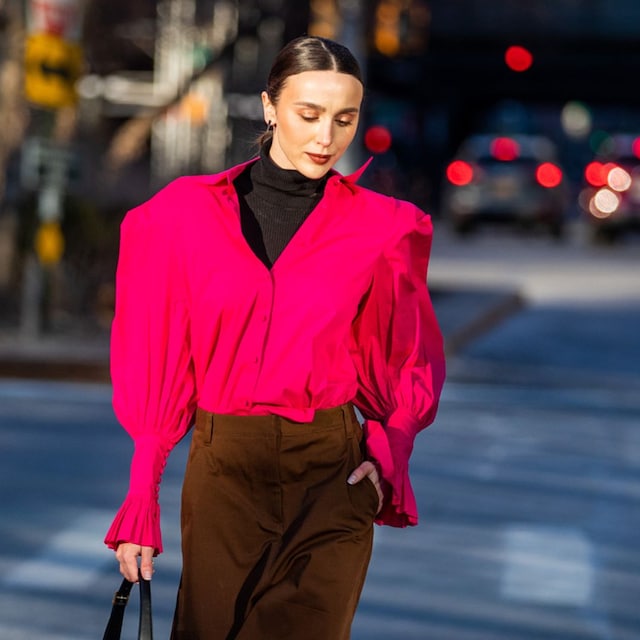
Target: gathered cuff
<point>137,521</point>
<point>404,425</point>
<point>391,450</point>
<point>147,465</point>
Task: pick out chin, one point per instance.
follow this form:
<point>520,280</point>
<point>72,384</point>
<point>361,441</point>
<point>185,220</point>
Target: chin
<point>314,172</point>
<point>314,175</point>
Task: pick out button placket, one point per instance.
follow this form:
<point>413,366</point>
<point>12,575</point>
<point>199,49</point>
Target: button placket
<point>259,330</point>
<point>263,314</point>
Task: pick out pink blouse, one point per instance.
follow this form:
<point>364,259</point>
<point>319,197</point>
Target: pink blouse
<point>343,315</point>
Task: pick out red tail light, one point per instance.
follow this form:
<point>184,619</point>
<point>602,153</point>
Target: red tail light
<point>505,149</point>
<point>597,173</point>
<point>460,173</point>
<point>549,175</point>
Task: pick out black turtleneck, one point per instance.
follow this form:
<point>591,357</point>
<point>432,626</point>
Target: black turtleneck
<point>274,202</point>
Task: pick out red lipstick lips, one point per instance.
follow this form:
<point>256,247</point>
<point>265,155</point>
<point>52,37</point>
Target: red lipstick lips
<point>319,159</point>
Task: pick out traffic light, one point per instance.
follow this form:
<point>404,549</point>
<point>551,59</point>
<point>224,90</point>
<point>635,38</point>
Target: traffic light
<point>324,18</point>
<point>386,31</point>
<point>401,27</point>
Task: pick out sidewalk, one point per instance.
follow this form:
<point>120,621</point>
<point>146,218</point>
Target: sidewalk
<point>463,315</point>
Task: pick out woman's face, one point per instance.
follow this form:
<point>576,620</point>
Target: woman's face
<point>315,120</point>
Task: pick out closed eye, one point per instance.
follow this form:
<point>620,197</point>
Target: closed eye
<point>339,122</point>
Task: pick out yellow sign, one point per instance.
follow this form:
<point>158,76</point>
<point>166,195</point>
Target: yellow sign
<point>49,243</point>
<point>52,68</point>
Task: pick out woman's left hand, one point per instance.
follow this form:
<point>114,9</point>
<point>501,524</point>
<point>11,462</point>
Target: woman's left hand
<point>368,469</point>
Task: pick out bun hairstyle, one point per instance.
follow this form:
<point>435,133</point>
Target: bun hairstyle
<point>307,53</point>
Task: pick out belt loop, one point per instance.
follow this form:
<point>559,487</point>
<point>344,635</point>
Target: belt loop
<point>204,423</point>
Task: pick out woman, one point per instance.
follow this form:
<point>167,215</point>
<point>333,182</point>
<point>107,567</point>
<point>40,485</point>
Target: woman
<point>263,304</point>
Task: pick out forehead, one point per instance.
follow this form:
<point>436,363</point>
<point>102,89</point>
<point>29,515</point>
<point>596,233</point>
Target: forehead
<point>321,87</point>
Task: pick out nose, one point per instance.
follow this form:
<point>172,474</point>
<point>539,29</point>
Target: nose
<point>324,133</point>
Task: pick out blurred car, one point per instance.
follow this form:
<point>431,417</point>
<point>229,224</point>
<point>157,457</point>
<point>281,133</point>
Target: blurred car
<point>514,179</point>
<point>610,197</point>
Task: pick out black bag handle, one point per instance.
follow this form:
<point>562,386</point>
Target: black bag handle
<point>120,601</point>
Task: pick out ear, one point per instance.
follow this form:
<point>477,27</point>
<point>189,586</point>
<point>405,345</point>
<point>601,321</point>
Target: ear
<point>268,109</point>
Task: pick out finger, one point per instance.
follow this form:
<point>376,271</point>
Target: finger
<point>127,555</point>
<point>361,471</point>
<point>367,468</point>
<point>146,563</point>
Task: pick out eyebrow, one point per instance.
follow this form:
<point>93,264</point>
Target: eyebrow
<point>318,107</point>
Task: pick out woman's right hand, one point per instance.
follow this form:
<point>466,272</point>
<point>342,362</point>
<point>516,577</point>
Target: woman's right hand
<point>127,555</point>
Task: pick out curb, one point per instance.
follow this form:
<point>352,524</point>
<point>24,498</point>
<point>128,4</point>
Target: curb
<point>55,357</point>
<point>468,314</point>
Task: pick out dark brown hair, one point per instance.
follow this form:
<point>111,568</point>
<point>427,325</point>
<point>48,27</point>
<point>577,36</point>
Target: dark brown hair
<point>307,53</point>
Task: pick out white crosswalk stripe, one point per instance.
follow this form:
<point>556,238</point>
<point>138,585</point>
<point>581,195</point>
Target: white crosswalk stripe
<point>71,560</point>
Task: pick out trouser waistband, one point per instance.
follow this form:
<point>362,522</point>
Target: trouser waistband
<point>342,415</point>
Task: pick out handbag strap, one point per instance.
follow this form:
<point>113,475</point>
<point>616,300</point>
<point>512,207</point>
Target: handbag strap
<point>113,630</point>
<point>145,628</point>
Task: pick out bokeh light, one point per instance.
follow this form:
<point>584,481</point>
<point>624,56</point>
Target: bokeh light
<point>601,142</point>
<point>576,120</point>
<point>518,58</point>
<point>595,174</point>
<point>549,175</point>
<point>619,179</point>
<point>604,203</point>
<point>377,139</point>
<point>505,149</point>
<point>459,173</point>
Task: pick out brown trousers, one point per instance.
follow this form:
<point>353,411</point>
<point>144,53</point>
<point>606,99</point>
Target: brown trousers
<point>275,543</point>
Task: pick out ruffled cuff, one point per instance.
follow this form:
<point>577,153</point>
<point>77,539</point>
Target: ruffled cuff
<point>137,521</point>
<point>391,448</point>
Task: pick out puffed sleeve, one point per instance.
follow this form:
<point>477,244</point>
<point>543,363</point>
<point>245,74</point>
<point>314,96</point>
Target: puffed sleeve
<point>151,369</point>
<point>398,352</point>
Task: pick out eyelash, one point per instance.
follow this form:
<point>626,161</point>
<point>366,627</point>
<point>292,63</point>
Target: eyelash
<point>340,123</point>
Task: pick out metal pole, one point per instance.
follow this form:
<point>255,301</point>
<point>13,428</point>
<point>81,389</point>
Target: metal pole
<point>351,36</point>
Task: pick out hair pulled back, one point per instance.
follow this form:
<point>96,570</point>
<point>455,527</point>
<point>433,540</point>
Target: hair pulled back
<point>307,53</point>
